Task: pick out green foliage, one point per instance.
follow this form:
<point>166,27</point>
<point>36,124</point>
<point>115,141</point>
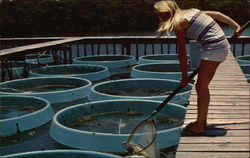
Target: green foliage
<point>22,18</point>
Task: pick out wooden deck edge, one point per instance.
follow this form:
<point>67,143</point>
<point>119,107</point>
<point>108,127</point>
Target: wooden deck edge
<point>229,109</point>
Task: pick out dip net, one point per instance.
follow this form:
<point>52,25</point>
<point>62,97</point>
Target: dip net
<point>142,140</point>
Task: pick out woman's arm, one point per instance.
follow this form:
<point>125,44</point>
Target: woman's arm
<point>181,38</point>
<point>224,19</point>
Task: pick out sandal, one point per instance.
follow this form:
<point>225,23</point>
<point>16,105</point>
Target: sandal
<point>209,132</point>
<point>190,125</point>
<point>188,132</point>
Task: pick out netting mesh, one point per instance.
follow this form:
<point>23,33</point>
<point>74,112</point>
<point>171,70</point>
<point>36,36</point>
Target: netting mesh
<point>142,140</point>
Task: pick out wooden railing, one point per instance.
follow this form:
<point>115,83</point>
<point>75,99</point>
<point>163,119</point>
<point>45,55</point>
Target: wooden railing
<point>64,49</point>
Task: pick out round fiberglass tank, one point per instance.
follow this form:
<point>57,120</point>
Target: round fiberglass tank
<point>117,64</point>
<point>246,70</point>
<point>140,88</point>
<point>157,70</point>
<point>39,58</point>
<point>245,59</point>
<point>90,72</point>
<point>54,89</point>
<point>21,113</point>
<point>104,125</point>
<point>62,154</point>
<point>160,58</point>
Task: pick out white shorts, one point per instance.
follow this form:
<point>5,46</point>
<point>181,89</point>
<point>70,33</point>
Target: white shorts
<point>217,55</point>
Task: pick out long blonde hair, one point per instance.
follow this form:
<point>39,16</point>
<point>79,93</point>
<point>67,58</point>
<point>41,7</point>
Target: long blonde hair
<point>173,23</point>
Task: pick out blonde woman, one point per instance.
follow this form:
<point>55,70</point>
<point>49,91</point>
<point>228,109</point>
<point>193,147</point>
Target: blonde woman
<point>201,26</point>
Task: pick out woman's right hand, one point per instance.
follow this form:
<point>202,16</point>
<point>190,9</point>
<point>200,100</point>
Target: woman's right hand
<point>237,31</point>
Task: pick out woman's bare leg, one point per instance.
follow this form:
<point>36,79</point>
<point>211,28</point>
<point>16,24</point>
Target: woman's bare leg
<point>206,73</point>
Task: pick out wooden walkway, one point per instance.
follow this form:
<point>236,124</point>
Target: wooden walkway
<point>229,109</point>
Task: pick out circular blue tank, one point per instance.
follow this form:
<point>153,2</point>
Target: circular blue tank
<point>246,70</point>
<point>54,89</point>
<point>117,64</point>
<point>245,59</point>
<point>160,58</point>
<point>62,154</point>
<point>140,88</point>
<point>62,131</point>
<point>21,113</point>
<point>90,72</point>
<point>157,70</point>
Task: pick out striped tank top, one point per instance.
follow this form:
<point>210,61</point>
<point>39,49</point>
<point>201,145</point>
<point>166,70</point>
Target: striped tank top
<point>204,29</point>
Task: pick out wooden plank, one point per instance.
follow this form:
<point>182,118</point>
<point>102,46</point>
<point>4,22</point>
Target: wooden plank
<point>231,93</point>
<point>231,70</point>
<point>224,115</point>
<point>235,132</point>
<point>223,98</point>
<point>213,155</point>
<point>221,107</point>
<point>230,76</point>
<point>227,98</point>
<point>222,103</point>
<point>223,83</point>
<point>212,140</point>
<point>230,80</point>
<point>233,126</point>
<point>222,120</point>
<point>228,94</point>
<point>221,111</point>
<point>244,88</point>
<point>228,86</point>
<point>214,147</point>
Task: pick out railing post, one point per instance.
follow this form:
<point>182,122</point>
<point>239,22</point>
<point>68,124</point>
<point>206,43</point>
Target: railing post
<point>234,54</point>
<point>243,49</point>
<point>77,50</point>
<point>153,48</point>
<point>85,49</point>
<point>98,49</point>
<point>128,47</point>
<point>107,49</point>
<point>3,71</point>
<point>55,56</point>
<point>169,47</point>
<point>145,49</point>
<point>161,48</point>
<point>137,51</point>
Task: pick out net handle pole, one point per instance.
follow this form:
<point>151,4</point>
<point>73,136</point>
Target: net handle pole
<point>173,94</point>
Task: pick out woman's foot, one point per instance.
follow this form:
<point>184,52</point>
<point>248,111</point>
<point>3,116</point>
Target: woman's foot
<point>194,127</point>
<point>190,130</point>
